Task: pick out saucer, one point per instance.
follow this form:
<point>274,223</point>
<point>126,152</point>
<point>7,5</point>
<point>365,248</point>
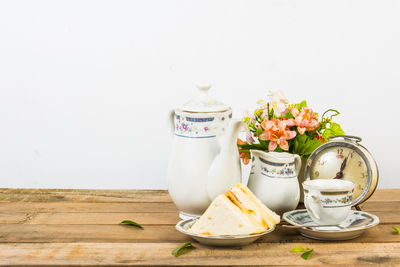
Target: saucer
<point>222,240</point>
<point>344,232</point>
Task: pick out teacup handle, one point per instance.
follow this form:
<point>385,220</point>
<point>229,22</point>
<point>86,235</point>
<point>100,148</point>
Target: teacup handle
<point>297,163</point>
<point>312,203</point>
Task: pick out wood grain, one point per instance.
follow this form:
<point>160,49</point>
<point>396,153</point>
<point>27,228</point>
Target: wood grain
<point>93,254</point>
<point>149,207</point>
<point>383,195</point>
<point>85,195</point>
<point>65,233</point>
<point>55,207</point>
<point>81,227</point>
<point>102,218</point>
<point>381,206</point>
<point>82,195</point>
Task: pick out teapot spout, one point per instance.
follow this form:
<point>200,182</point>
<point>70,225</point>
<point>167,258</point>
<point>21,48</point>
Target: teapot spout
<point>225,171</point>
<point>229,139</point>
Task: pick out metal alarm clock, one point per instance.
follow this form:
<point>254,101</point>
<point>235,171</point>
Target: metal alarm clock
<point>342,157</point>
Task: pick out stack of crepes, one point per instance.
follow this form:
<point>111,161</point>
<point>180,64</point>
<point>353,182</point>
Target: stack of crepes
<point>237,212</point>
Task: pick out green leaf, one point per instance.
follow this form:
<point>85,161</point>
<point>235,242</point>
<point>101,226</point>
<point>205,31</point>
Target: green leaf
<point>335,127</point>
<point>307,254</point>
<point>298,249</point>
<point>333,130</point>
<point>288,115</point>
<point>302,104</point>
<point>304,145</point>
<point>259,131</point>
<point>397,229</point>
<point>311,145</point>
<point>182,249</point>
<point>251,146</point>
<point>264,144</point>
<point>129,222</point>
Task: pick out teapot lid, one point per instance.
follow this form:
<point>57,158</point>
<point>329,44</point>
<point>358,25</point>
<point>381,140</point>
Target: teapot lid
<point>203,102</point>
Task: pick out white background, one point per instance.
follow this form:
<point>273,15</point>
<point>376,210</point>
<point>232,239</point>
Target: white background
<point>85,86</point>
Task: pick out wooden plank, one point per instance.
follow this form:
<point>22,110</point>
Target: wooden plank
<point>12,217</point>
<point>165,218</point>
<point>93,195</point>
<point>81,227</point>
<point>35,207</point>
<point>152,233</point>
<point>388,217</point>
<point>383,195</point>
<point>104,218</point>
<point>82,195</point>
<point>371,206</point>
<point>95,254</point>
<point>88,233</point>
<point>147,213</point>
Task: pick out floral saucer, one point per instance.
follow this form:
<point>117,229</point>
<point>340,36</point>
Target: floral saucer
<point>223,240</point>
<point>355,224</point>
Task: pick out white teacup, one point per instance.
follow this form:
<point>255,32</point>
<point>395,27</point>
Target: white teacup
<point>328,201</point>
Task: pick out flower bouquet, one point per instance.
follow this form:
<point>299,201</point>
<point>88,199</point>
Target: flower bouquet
<point>279,126</point>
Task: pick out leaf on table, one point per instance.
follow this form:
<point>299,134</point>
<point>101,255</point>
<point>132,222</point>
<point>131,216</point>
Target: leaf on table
<point>129,222</point>
<point>298,249</point>
<point>182,249</point>
<point>397,229</point>
<point>307,254</point>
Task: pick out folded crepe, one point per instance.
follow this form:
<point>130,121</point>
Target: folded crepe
<point>237,212</point>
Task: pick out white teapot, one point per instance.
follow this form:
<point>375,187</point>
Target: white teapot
<point>204,160</point>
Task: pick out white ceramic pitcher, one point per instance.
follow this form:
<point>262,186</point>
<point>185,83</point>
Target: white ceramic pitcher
<point>204,160</point>
<point>273,179</point>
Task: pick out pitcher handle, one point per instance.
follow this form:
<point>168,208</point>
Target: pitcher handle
<point>297,163</point>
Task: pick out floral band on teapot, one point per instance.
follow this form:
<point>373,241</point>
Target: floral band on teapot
<point>201,126</point>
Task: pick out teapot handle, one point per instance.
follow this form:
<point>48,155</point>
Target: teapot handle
<point>171,121</point>
<point>297,163</point>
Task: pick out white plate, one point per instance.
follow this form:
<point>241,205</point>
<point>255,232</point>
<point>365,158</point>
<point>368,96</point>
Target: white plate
<point>224,240</point>
<point>302,218</point>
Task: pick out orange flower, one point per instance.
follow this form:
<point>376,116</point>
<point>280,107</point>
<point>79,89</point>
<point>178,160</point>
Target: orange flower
<point>245,156</point>
<point>277,132</point>
<point>305,120</point>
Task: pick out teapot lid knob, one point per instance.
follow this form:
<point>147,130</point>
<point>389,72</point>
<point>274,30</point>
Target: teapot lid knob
<point>204,87</point>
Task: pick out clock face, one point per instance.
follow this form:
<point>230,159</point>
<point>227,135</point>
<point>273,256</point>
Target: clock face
<point>328,163</point>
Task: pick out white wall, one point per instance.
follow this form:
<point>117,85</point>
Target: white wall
<point>85,86</point>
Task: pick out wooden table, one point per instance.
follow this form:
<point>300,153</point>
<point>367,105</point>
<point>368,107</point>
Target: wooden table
<point>81,227</point>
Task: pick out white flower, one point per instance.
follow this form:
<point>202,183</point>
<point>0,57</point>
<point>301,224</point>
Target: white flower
<point>249,137</point>
<point>278,101</point>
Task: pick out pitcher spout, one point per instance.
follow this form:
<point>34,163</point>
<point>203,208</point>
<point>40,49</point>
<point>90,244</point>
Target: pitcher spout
<point>258,153</point>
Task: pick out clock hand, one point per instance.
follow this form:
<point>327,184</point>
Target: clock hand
<point>340,173</point>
